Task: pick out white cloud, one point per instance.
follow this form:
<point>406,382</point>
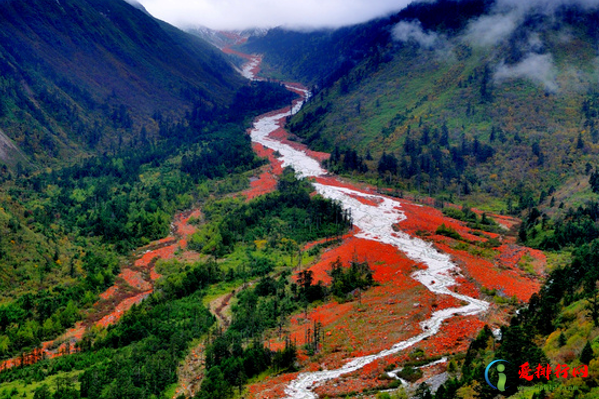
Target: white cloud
<point>412,31</point>
<point>241,14</point>
<point>406,31</point>
<point>507,15</point>
<point>490,30</point>
<point>537,67</point>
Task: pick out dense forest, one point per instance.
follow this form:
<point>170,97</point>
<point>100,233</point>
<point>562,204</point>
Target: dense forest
<point>72,225</point>
<point>139,355</point>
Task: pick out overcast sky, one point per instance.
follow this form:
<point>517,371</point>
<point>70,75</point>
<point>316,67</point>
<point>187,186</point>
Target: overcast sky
<point>240,14</point>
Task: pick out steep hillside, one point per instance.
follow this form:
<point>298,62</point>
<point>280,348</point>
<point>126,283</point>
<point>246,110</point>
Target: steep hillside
<point>87,74</point>
<point>454,109</point>
<point>321,57</point>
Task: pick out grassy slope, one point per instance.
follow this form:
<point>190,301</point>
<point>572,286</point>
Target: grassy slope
<point>431,90</point>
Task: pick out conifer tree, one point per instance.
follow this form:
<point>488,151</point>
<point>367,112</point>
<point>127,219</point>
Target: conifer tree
<point>587,354</point>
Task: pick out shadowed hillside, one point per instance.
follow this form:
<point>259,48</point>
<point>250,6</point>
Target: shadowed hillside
<point>86,74</point>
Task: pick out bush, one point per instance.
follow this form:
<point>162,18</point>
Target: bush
<point>453,213</point>
<point>410,374</point>
<point>448,232</point>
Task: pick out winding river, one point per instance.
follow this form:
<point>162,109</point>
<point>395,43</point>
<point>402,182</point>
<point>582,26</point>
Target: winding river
<point>375,223</point>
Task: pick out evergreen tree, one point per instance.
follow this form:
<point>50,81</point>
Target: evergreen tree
<point>561,340</point>
<point>592,306</point>
<point>387,163</point>
<point>587,354</point>
<point>42,392</point>
<point>214,385</point>
<point>423,392</point>
<point>594,181</point>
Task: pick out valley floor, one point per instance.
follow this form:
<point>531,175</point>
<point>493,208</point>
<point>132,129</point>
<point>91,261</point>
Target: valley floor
<point>429,295</point>
<point>433,293</point>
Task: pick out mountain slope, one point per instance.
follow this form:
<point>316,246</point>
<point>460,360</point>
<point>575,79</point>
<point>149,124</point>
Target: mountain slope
<point>323,56</point>
<point>80,74</point>
<point>457,111</point>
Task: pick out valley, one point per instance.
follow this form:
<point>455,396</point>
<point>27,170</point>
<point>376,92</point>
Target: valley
<point>199,224</point>
<point>376,235</point>
<point>443,298</point>
<point>374,217</point>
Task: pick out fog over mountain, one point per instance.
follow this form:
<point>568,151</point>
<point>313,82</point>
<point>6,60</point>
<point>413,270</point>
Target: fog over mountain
<point>241,14</point>
<point>311,14</point>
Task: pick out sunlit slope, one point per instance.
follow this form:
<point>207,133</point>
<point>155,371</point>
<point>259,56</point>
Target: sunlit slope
<point>508,115</point>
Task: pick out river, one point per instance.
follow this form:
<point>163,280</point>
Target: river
<point>375,223</point>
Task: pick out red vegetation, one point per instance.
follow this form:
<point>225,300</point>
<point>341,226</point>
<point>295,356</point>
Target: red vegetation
<point>131,287</point>
<point>384,314</point>
<point>309,245</point>
<point>271,387</point>
<point>336,182</point>
<point>372,201</point>
<point>384,259</point>
<point>364,379</point>
<point>500,273</point>
<point>182,226</point>
<point>455,336</point>
<point>257,59</point>
<point>276,164</point>
<point>110,292</point>
<point>266,182</point>
<point>391,311</point>
<point>426,219</point>
<point>121,308</point>
<point>135,280</point>
<point>283,136</point>
<point>497,274</point>
<point>507,221</point>
<point>159,253</point>
<point>166,240</point>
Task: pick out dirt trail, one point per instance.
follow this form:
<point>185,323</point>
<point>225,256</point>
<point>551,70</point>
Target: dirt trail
<point>220,307</point>
<point>191,372</point>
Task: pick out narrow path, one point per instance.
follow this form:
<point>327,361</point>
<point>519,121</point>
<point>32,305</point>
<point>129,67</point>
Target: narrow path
<point>191,371</point>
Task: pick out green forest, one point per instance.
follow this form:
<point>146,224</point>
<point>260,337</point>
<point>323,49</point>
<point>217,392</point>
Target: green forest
<point>67,231</point>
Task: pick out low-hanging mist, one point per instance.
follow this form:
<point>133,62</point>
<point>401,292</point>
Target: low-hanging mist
<point>506,23</point>
<point>242,14</point>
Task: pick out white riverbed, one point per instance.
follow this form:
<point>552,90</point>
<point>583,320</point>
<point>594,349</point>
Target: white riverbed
<point>375,223</point>
<point>247,70</point>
